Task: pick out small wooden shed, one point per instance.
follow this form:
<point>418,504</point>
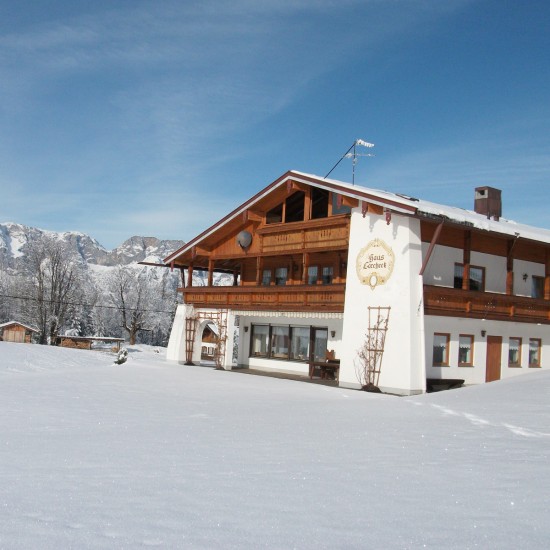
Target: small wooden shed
<point>13,331</point>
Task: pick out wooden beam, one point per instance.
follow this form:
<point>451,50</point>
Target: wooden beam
<point>431,248</point>
<point>210,272</point>
<point>510,268</point>
<point>467,252</point>
<point>547,276</point>
<point>251,216</point>
<point>351,202</point>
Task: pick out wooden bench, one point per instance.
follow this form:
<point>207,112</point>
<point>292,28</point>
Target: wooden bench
<point>329,368</point>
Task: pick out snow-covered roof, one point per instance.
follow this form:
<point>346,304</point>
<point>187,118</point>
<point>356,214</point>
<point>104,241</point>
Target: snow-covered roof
<point>394,201</point>
<point>9,323</point>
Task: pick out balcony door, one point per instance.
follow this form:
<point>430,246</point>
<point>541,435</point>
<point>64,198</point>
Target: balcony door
<point>319,339</point>
<point>494,349</point>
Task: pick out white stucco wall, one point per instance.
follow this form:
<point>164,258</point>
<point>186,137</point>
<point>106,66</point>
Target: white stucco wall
<point>176,342</point>
<point>403,360</point>
<point>476,373</point>
<point>521,267</point>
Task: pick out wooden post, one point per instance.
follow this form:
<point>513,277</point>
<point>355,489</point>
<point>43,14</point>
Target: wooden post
<point>210,272</point>
<point>510,269</point>
<point>306,267</point>
<point>259,270</point>
<point>466,260</point>
<point>190,275</point>
<point>547,276</point>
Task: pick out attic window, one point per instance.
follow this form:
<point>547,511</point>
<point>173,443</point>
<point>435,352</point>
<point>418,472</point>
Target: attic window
<point>275,215</point>
<point>319,203</point>
<point>294,211</point>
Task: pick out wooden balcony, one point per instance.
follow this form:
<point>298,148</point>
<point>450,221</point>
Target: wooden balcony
<point>329,298</point>
<point>454,302</point>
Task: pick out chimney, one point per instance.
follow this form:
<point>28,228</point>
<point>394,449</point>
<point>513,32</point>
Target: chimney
<point>488,202</point>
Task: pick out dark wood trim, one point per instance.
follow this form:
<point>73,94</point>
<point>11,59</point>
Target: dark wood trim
<point>452,302</point>
<point>329,298</point>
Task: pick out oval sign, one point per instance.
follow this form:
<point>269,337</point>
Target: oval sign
<point>375,263</point>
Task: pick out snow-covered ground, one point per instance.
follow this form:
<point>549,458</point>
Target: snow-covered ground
<point>149,453</point>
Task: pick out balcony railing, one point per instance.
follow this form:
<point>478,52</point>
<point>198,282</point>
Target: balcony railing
<point>454,302</point>
<point>328,298</point>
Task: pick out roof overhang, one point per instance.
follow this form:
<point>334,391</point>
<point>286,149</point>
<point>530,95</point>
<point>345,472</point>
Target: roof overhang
<point>380,198</point>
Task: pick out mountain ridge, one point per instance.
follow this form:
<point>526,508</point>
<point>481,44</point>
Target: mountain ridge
<point>15,238</point>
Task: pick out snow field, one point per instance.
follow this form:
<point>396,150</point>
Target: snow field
<point>151,453</point>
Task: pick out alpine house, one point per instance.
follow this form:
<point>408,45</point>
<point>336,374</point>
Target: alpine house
<point>343,281</point>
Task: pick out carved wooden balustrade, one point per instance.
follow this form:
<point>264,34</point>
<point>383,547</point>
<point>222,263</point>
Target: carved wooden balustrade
<point>454,302</point>
<point>281,298</point>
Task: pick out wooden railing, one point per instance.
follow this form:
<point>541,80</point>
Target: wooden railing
<point>282,298</point>
<point>311,235</point>
<point>454,302</point>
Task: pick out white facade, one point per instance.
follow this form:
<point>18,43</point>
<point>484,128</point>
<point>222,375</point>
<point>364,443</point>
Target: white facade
<point>407,358</point>
<point>403,361</point>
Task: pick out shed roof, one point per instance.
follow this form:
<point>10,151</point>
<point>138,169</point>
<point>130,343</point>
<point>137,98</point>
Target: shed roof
<point>9,323</point>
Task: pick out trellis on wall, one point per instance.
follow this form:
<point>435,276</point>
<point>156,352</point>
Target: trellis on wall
<point>372,351</point>
<point>219,318</point>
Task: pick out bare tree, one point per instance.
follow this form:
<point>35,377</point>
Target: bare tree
<point>132,296</point>
<point>52,286</point>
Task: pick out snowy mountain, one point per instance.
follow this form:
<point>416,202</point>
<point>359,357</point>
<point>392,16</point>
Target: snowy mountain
<point>96,304</point>
<point>15,238</point>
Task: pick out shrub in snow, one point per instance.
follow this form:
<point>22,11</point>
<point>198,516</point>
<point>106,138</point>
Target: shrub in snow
<point>122,356</point>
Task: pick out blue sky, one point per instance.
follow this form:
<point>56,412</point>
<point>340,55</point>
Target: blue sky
<point>157,118</point>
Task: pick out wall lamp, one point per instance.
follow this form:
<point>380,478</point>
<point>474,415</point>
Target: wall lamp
<point>483,333</point>
<point>525,276</point>
<point>246,329</point>
<point>332,333</point>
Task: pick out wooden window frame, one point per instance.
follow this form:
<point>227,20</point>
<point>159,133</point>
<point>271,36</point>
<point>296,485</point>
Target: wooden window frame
<point>250,352</point>
<point>472,341</point>
<point>536,365</point>
<point>316,266</point>
<point>481,268</point>
<point>264,271</point>
<point>275,279</point>
<point>516,365</point>
<point>445,362</point>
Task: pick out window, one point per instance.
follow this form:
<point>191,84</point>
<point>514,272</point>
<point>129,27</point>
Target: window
<point>312,273</point>
<point>281,275</point>
<point>280,338</point>
<point>294,210</point>
<point>534,352</point>
<point>441,350</point>
<point>477,277</point>
<point>514,352</point>
<point>319,203</point>
<point>465,350</point>
<point>275,215</point>
<point>299,343</point>
<point>327,275</point>
<point>259,340</point>
<point>537,287</point>
<point>266,277</point>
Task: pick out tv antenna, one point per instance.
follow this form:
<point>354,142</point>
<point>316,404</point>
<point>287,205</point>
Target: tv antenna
<point>352,153</point>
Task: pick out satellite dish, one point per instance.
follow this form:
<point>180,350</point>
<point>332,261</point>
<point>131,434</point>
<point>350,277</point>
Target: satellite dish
<point>244,238</point>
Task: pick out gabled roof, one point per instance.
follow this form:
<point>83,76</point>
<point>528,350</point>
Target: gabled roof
<point>9,323</point>
<point>393,201</point>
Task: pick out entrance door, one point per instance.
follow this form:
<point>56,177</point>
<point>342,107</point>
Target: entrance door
<point>494,349</point>
<point>319,339</point>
